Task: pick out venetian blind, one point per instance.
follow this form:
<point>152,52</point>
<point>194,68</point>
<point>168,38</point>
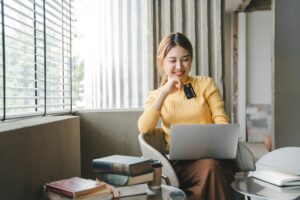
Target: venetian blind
<point>200,21</point>
<point>35,65</point>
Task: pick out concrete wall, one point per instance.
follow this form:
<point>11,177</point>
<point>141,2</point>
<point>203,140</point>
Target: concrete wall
<point>39,150</point>
<point>36,151</point>
<point>106,133</point>
<point>287,71</point>
<point>228,63</point>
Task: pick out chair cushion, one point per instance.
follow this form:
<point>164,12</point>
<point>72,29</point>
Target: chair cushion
<point>244,159</point>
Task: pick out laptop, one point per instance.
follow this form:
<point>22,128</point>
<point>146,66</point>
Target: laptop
<point>198,141</point>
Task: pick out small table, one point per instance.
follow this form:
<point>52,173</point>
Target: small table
<point>251,187</point>
<point>166,192</point>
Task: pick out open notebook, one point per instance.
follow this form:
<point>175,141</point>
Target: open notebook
<point>275,177</point>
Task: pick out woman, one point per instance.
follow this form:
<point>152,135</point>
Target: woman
<point>202,104</point>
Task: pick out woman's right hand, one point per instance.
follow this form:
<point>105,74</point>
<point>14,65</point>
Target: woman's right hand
<point>172,86</point>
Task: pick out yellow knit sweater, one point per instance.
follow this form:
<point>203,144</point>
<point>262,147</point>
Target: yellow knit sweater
<point>206,108</point>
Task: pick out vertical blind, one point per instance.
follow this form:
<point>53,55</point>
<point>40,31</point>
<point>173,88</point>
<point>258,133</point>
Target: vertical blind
<point>200,21</point>
<point>116,62</point>
<point>120,66</point>
<point>35,66</point>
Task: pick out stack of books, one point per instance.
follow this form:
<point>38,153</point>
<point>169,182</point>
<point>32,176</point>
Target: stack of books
<point>127,174</point>
<point>79,189</point>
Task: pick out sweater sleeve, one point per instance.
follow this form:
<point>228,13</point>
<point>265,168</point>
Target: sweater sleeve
<point>148,120</point>
<point>216,103</point>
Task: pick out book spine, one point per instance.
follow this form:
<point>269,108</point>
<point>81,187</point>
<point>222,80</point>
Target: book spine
<point>60,191</point>
<point>130,190</point>
<point>138,170</point>
<point>105,167</point>
<point>114,179</point>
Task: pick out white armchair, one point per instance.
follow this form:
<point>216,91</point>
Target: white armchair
<point>284,159</point>
<point>153,146</point>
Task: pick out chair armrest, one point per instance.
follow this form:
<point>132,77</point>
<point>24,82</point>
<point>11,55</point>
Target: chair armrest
<point>149,152</point>
<point>244,159</point>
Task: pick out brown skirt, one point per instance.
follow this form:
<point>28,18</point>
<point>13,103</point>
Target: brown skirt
<point>206,179</point>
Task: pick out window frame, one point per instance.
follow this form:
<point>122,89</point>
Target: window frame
<point>65,65</point>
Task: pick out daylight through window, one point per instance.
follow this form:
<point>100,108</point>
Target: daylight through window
<point>35,64</point>
<point>111,54</point>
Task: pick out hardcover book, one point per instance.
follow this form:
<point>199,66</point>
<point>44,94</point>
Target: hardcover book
<point>122,180</point>
<point>105,194</point>
<point>120,164</point>
<point>130,190</point>
<point>277,177</point>
<point>74,187</point>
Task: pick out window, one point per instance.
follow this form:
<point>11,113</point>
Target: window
<point>45,69</point>
<point>111,54</point>
<point>36,51</point>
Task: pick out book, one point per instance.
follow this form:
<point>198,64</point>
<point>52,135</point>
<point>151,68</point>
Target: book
<point>124,165</point>
<point>276,191</point>
<point>278,178</point>
<point>105,194</point>
<point>122,180</point>
<point>275,188</point>
<point>74,187</point>
<point>129,190</point>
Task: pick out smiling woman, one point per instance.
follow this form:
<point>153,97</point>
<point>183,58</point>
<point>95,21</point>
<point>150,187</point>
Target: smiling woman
<point>203,104</point>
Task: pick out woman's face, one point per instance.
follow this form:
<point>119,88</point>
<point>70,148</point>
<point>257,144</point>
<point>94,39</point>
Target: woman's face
<point>177,63</point>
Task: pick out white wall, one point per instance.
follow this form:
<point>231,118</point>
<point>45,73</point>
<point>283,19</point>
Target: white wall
<point>259,44</point>
<point>254,71</point>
